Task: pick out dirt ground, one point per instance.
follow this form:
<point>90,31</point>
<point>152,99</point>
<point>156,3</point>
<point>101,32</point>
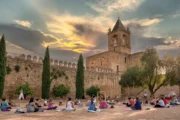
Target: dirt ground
<point>120,112</point>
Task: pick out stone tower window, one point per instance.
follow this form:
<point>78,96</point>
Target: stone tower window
<point>125,60</point>
<point>117,68</point>
<point>114,40</point>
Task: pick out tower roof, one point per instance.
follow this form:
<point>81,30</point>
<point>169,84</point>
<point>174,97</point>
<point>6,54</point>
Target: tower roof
<point>119,25</point>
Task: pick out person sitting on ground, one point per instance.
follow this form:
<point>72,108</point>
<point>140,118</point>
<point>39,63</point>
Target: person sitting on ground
<point>69,105</point>
<point>50,105</point>
<point>128,102</point>
<point>175,101</point>
<point>31,107</point>
<point>103,104</point>
<point>160,103</point>
<point>4,105</point>
<point>37,103</point>
<point>92,106</point>
<point>132,102</point>
<point>166,102</point>
<point>137,105</point>
<point>153,101</point>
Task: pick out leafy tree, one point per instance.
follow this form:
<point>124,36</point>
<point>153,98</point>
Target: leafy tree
<point>2,64</point>
<point>80,78</point>
<point>93,90</point>
<point>132,77</point>
<point>8,69</point>
<point>46,80</point>
<point>153,73</point>
<point>17,68</point>
<point>176,81</point>
<point>60,90</point>
<point>27,90</point>
<point>153,68</point>
<point>48,75</point>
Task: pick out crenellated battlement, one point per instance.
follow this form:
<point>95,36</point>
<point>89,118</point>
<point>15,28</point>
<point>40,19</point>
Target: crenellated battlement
<point>58,63</point>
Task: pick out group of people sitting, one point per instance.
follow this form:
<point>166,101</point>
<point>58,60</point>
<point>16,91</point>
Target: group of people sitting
<point>34,105</point>
<point>103,104</point>
<point>161,102</point>
<point>134,104</point>
<point>164,101</point>
<point>7,105</point>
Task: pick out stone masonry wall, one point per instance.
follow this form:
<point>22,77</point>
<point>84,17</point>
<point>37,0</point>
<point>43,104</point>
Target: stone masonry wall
<point>31,72</point>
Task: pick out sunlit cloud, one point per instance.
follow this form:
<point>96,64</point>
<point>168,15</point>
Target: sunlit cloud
<point>143,22</point>
<point>23,23</point>
<point>79,31</point>
<point>106,7</point>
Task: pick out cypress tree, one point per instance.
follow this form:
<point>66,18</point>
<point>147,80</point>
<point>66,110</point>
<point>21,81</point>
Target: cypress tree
<point>46,82</point>
<point>2,64</point>
<point>80,78</point>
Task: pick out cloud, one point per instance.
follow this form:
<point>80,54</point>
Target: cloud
<point>169,45</point>
<point>27,38</point>
<point>143,22</point>
<point>176,15</point>
<point>80,33</point>
<point>23,23</point>
<point>106,7</point>
<point>27,41</point>
<point>140,41</point>
<point>15,50</point>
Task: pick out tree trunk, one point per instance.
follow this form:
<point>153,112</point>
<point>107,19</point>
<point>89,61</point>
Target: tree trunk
<point>151,92</point>
<point>179,90</point>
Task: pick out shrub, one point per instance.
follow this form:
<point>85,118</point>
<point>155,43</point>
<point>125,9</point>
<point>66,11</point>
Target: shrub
<point>8,69</point>
<point>60,90</point>
<point>27,90</point>
<point>93,90</point>
<point>17,68</point>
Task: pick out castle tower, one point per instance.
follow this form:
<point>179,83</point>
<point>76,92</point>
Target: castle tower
<point>119,38</point>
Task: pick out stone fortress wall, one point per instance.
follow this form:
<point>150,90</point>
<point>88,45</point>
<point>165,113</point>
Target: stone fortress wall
<point>31,72</point>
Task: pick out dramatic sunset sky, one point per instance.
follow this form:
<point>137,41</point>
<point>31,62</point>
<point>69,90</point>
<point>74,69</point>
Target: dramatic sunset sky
<point>71,27</point>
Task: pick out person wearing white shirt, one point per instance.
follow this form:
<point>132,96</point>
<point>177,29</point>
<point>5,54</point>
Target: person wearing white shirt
<point>160,104</point>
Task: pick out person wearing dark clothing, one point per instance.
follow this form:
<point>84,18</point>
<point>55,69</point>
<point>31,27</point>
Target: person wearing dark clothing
<point>137,105</point>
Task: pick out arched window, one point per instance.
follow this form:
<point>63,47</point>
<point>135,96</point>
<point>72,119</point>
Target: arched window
<point>115,40</point>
